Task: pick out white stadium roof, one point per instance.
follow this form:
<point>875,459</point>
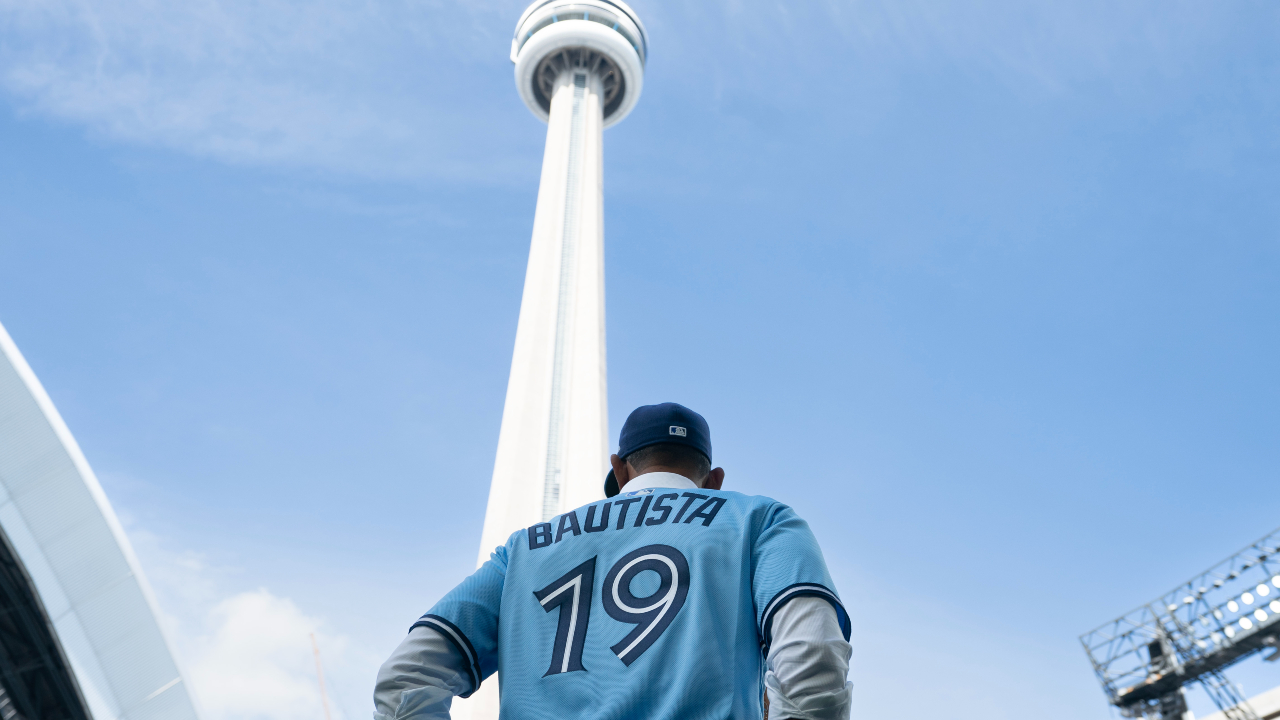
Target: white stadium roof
<point>95,613</point>
<point>1266,706</point>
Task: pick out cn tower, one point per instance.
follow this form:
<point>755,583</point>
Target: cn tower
<point>579,67</point>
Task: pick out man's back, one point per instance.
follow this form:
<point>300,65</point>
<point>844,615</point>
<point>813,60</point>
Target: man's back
<point>656,603</point>
<point>671,600</point>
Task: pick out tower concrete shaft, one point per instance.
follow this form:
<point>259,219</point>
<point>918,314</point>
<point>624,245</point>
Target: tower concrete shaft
<point>579,65</point>
<point>553,447</point>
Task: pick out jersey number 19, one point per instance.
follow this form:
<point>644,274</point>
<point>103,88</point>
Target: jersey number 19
<point>651,615</point>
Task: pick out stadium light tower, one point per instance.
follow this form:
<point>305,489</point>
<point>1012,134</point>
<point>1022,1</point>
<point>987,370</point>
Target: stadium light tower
<point>579,66</point>
<point>1191,634</point>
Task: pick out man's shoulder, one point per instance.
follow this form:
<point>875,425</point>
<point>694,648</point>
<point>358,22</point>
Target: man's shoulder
<point>762,504</point>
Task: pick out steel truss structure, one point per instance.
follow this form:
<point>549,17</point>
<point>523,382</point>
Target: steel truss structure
<point>1191,634</point>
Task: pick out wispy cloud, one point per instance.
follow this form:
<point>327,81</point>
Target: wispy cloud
<point>408,88</point>
<point>1040,46</point>
<point>254,662</point>
<point>248,653</point>
<point>338,84</point>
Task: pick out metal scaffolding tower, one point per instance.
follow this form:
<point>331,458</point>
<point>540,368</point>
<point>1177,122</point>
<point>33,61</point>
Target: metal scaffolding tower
<point>1190,635</point>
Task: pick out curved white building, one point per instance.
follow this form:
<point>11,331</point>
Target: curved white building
<point>79,635</point>
<point>579,66</point>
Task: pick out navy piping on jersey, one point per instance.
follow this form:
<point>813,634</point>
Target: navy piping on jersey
<point>459,640</point>
<point>801,590</point>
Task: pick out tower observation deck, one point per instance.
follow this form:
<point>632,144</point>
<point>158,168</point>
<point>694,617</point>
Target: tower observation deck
<point>579,66</point>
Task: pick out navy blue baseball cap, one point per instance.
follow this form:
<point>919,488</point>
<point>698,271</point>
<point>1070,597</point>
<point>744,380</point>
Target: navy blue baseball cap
<point>663,423</point>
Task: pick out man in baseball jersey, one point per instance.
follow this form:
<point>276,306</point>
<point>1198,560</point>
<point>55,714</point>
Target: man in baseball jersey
<point>671,599</point>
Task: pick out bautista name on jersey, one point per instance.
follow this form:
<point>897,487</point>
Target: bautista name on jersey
<point>655,604</point>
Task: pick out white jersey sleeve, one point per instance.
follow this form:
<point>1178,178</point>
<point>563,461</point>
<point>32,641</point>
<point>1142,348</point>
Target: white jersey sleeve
<point>808,663</point>
<point>420,678</point>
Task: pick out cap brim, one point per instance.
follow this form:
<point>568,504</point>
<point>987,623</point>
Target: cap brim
<point>611,485</point>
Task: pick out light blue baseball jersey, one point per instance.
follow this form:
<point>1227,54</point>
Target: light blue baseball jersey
<point>655,604</point>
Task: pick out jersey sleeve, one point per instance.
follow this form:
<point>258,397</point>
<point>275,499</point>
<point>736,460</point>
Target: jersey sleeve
<point>468,618</point>
<point>786,564</point>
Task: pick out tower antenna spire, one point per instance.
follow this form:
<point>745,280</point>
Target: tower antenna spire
<point>324,695</point>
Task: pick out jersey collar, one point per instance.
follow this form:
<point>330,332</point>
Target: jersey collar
<point>658,480</point>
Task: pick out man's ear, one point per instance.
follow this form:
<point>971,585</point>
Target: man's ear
<point>621,470</point>
<point>714,480</point>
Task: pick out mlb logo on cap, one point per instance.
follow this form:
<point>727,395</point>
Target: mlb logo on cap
<point>677,430</point>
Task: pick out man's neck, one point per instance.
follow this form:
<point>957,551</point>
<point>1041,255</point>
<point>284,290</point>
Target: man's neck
<point>659,479</point>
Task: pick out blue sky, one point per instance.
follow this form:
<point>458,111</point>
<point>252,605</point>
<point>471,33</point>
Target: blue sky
<point>988,291</point>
